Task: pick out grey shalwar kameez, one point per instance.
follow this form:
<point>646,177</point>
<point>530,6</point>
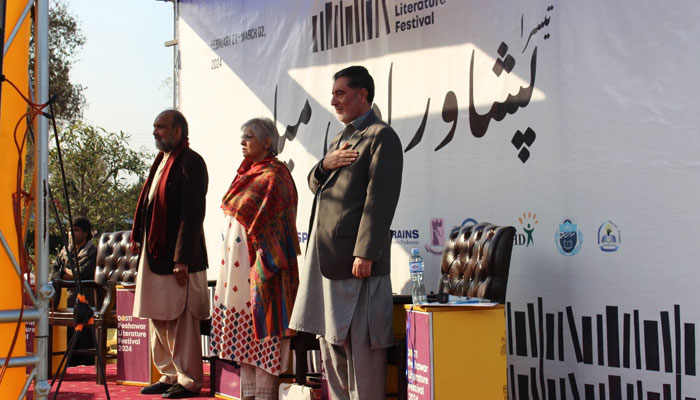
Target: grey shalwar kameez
<point>337,310</point>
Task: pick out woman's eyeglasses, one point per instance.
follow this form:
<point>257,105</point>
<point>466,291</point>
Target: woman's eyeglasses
<point>247,138</point>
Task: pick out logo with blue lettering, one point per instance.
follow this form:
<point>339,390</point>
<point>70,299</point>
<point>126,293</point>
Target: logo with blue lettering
<point>409,237</point>
<point>609,238</point>
<point>569,237</point>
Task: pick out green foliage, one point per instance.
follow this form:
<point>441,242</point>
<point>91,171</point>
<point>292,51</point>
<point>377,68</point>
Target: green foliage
<point>65,40</point>
<point>103,174</point>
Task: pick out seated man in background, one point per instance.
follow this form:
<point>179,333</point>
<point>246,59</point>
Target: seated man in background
<point>81,240</point>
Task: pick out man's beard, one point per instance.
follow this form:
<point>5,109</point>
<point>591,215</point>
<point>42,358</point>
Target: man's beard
<point>165,146</point>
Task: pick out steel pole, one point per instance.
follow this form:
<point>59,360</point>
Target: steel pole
<point>41,238</point>
<point>176,53</point>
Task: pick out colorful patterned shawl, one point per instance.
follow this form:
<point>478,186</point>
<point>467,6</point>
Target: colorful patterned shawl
<point>263,198</point>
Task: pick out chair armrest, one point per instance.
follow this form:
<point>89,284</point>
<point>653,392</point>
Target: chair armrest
<point>110,288</point>
<point>66,283</point>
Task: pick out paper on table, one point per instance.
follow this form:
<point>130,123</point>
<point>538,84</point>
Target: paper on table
<point>459,301</point>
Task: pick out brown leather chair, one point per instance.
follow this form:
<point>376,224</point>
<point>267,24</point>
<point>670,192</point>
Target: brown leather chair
<point>476,261</point>
<point>115,263</point>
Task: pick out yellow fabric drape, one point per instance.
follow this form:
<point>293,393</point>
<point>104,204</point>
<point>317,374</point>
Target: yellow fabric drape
<point>12,108</point>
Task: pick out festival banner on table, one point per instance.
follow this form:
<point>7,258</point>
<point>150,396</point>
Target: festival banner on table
<point>574,122</point>
<point>419,363</point>
<point>227,379</point>
<point>133,351</point>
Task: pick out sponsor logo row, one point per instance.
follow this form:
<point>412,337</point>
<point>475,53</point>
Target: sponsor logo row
<point>568,237</point>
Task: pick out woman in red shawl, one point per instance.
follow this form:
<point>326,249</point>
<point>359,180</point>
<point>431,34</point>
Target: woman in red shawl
<point>259,275</point>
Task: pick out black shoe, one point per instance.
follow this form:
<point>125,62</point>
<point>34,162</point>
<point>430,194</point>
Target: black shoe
<point>156,388</point>
<point>178,392</point>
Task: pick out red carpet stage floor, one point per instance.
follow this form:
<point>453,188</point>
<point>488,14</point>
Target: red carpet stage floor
<point>79,384</point>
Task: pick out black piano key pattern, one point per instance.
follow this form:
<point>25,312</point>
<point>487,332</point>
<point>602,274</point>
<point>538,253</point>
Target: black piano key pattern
<point>665,345</point>
<point>347,22</point>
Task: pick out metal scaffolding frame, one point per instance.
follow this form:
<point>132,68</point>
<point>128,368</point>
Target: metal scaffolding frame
<point>43,292</point>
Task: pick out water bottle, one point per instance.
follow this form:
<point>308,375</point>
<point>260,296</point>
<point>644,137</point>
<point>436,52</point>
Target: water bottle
<point>415,265</point>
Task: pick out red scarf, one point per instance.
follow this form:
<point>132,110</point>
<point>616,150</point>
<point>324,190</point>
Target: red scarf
<point>158,229</point>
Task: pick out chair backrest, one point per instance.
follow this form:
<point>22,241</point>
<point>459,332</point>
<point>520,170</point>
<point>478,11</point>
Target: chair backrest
<point>115,261</point>
<point>476,261</point>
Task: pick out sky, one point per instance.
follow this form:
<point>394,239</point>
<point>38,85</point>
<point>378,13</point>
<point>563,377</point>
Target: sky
<point>124,65</point>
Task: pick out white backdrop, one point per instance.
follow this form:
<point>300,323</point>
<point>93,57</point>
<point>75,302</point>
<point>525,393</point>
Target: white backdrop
<point>583,112</point>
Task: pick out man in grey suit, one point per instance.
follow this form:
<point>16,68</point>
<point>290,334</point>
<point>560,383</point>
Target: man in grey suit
<point>345,290</point>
